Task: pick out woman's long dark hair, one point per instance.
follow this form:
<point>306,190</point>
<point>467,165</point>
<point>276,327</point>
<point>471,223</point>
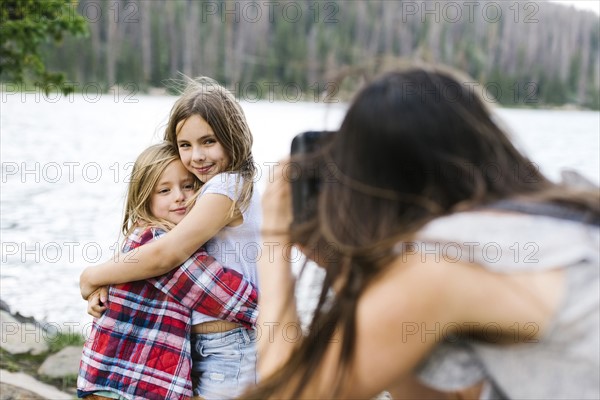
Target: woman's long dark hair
<point>414,146</point>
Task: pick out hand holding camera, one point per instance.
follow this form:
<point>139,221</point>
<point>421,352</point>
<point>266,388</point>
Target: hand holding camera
<point>307,172</point>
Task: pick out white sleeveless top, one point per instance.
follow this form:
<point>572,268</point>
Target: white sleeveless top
<point>234,247</point>
<point>565,362</point>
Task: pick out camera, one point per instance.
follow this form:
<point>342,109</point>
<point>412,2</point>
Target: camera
<point>307,173</point>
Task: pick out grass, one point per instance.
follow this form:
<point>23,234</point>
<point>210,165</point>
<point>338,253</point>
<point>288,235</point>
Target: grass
<point>27,363</point>
<point>62,340</point>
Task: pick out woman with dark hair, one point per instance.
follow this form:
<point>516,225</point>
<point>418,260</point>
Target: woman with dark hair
<point>451,262</point>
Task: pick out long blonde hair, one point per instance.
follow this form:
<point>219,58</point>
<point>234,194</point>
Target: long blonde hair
<point>217,106</point>
<point>147,169</point>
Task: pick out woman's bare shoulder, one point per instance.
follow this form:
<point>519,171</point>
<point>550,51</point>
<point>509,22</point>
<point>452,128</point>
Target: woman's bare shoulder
<point>466,293</point>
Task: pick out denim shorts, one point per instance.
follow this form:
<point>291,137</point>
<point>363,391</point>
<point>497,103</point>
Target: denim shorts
<point>223,364</point>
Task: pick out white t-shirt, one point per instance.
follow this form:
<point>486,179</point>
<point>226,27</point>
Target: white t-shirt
<point>234,247</point>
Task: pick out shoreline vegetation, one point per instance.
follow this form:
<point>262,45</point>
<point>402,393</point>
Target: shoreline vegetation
<point>539,52</point>
<point>306,51</point>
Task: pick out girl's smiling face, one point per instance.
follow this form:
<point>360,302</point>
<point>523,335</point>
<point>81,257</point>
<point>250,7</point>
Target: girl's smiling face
<point>170,194</point>
<point>199,150</point>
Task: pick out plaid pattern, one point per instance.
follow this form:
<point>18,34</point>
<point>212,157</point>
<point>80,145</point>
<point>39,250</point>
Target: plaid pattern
<point>140,347</point>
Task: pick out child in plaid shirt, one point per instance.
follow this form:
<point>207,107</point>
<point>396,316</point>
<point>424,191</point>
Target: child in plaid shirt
<point>139,346</point>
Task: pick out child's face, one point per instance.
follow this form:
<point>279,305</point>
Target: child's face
<point>199,149</point>
<point>174,187</point>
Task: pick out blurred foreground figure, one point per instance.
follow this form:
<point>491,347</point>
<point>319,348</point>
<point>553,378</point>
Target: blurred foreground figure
<point>451,262</point>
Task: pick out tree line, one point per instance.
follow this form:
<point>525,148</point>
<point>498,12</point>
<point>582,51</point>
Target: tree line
<point>523,53</point>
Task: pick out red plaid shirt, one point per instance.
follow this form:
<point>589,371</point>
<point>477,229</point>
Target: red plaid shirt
<point>140,347</point>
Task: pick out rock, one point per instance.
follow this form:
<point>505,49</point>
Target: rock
<point>21,337</point>
<point>63,363</point>
<point>22,318</point>
<point>17,385</point>
<point>10,392</point>
<point>4,306</point>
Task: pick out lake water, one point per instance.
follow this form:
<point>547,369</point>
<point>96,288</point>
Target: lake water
<point>66,160</point>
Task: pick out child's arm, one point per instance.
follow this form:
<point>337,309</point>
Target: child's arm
<point>208,216</point>
<point>200,284</point>
<point>203,285</point>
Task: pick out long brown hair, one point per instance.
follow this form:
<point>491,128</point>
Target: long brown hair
<point>414,145</point>
<point>218,107</point>
<point>147,169</point>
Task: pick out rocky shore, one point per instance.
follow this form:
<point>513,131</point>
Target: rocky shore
<point>37,361</point>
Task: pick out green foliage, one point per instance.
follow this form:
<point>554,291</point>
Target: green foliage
<point>316,42</point>
<point>27,24</point>
<point>593,97</point>
<point>554,92</point>
<point>62,340</point>
<point>27,363</point>
<point>66,383</point>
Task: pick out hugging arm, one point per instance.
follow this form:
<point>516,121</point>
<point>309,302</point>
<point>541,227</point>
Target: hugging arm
<point>208,216</point>
<point>203,285</point>
<point>200,284</point>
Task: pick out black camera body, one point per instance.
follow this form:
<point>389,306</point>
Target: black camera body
<point>307,172</point>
